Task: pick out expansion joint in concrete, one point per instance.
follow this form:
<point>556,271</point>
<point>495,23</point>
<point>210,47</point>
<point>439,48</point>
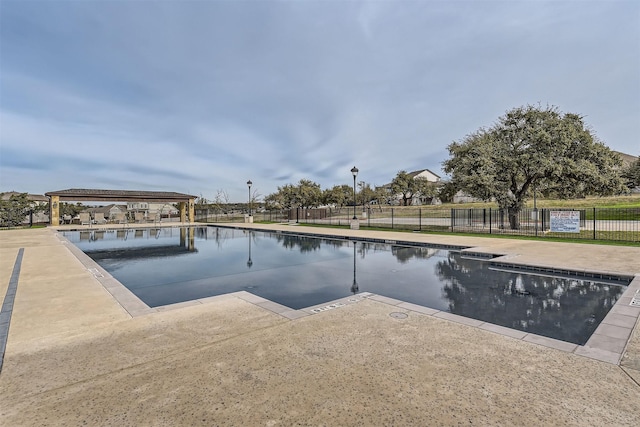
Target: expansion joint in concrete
<point>7,305</point>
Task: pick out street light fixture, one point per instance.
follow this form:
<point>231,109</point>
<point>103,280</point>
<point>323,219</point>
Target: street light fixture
<point>249,184</point>
<point>354,172</point>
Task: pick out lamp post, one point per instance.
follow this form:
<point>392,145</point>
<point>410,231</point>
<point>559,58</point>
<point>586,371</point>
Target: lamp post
<point>249,184</point>
<point>354,172</point>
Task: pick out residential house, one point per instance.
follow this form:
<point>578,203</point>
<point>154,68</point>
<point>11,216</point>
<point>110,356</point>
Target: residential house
<point>150,210</point>
<point>110,212</point>
<point>417,199</point>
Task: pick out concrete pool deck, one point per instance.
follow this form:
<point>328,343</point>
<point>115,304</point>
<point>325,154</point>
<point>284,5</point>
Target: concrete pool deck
<point>74,354</point>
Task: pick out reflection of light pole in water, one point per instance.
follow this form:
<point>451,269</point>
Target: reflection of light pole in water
<point>249,261</point>
<point>354,287</point>
<point>535,208</point>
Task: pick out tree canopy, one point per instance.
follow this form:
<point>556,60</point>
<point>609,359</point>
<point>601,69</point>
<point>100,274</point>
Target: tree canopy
<point>14,210</point>
<point>407,186</point>
<point>338,195</point>
<point>305,194</point>
<point>533,147</point>
<point>631,174</point>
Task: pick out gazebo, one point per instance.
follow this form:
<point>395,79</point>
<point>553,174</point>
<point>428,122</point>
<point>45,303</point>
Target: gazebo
<point>92,195</point>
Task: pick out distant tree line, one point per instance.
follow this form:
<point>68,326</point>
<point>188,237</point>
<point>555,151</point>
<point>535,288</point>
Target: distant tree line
<point>309,194</point>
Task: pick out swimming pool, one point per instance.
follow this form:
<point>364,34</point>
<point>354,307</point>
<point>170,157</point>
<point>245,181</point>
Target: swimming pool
<point>168,265</point>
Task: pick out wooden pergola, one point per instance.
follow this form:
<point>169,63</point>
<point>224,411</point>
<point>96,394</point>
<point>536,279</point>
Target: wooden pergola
<point>113,196</point>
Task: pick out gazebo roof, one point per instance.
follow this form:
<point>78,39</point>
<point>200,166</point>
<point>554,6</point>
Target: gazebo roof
<point>94,195</point>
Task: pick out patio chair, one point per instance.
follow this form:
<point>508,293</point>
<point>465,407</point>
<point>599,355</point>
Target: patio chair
<point>99,218</point>
<point>118,218</point>
<point>85,218</point>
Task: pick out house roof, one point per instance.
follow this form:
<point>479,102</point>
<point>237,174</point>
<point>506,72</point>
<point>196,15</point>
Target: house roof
<point>106,209</point>
<point>627,159</point>
<point>33,197</point>
<point>94,195</point>
<point>412,175</point>
<point>416,173</point>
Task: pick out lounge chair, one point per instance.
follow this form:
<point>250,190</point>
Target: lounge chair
<point>99,218</point>
<point>85,218</point>
<point>118,218</point>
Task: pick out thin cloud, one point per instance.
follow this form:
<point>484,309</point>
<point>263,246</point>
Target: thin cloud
<point>201,96</point>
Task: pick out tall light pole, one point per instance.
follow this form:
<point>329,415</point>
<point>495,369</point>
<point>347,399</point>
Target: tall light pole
<point>354,172</point>
<point>249,184</point>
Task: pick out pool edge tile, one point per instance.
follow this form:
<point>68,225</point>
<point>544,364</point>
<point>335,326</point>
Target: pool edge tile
<point>551,343</point>
<point>502,330</point>
<point>459,319</point>
<point>386,300</point>
<point>598,354</point>
<point>418,308</point>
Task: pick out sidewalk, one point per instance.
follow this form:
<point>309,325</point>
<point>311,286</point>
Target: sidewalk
<point>74,355</point>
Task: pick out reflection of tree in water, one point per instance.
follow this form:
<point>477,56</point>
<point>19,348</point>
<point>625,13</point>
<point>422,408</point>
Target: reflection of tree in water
<point>220,235</point>
<point>561,308</point>
<point>201,232</point>
<point>404,253</point>
<point>304,244</point>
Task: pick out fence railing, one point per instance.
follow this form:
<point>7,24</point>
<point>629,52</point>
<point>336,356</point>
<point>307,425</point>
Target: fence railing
<point>616,224</point>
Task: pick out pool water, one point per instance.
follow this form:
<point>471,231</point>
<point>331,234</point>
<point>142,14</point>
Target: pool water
<point>169,265</point>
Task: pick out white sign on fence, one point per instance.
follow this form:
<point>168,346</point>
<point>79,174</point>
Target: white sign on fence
<point>565,221</point>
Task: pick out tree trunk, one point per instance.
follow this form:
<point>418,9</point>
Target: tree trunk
<point>514,217</point>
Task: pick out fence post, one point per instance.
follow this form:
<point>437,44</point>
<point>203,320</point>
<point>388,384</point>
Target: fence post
<point>489,220</point>
<point>392,218</point>
<point>419,219</point>
<point>594,223</point>
<point>453,221</point>
<point>369,217</point>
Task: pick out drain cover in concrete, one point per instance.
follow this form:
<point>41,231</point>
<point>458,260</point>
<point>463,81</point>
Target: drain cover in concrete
<point>398,315</point>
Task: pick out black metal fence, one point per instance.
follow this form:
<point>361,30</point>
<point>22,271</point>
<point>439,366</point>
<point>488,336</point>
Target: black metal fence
<point>616,224</point>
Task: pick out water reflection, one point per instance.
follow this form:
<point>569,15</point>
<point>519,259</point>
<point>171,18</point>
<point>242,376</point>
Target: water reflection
<point>403,253</point>
<point>549,306</point>
<point>250,261</point>
<point>187,239</point>
<point>354,285</point>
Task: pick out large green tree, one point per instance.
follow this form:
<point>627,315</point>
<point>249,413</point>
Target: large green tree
<point>533,148</point>
<point>305,194</point>
<point>338,195</point>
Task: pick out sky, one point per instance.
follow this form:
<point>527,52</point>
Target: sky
<point>201,96</point>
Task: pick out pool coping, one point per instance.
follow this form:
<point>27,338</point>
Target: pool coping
<point>607,344</point>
